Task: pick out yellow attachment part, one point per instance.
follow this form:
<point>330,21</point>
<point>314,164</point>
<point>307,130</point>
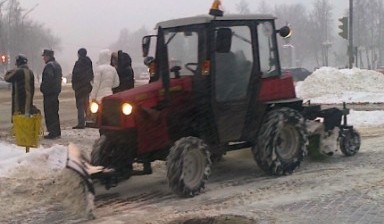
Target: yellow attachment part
<point>27,129</point>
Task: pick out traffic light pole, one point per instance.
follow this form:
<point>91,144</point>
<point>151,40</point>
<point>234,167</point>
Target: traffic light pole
<point>350,35</point>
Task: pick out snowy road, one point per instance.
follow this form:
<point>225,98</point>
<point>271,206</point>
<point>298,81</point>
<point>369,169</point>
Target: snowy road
<point>238,187</point>
<point>339,190</point>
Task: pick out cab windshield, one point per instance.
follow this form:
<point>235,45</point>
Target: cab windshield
<point>182,49</point>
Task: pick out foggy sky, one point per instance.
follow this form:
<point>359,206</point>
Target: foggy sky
<point>95,24</point>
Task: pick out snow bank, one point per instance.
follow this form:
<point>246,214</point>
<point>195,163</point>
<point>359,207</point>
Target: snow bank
<point>39,163</point>
<point>39,180</point>
<point>330,85</point>
<point>366,119</point>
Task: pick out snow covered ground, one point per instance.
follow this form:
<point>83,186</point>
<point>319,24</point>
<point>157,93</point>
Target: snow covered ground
<point>26,178</point>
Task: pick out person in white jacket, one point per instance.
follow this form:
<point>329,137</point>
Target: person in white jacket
<point>105,77</point>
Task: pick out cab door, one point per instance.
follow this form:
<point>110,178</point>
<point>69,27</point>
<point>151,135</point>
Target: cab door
<point>233,66</point>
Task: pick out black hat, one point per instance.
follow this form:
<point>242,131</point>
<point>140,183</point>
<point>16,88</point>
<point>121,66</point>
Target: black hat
<point>21,60</point>
<point>82,52</point>
<point>48,52</point>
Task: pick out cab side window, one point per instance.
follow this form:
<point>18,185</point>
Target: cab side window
<point>267,53</point>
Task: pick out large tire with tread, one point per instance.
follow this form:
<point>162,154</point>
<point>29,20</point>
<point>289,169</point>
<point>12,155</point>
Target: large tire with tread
<point>350,142</point>
<point>99,149</point>
<point>281,142</point>
<point>188,166</point>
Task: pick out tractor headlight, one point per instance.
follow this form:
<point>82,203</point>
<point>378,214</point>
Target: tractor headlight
<point>94,107</point>
<point>126,108</point>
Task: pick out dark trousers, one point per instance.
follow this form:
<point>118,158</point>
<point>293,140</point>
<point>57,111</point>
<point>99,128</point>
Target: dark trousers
<point>51,113</point>
<point>82,104</point>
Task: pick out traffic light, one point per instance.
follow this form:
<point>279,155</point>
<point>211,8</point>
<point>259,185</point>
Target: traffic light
<point>4,59</point>
<point>344,27</point>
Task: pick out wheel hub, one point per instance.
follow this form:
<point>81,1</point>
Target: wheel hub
<point>287,142</point>
<point>193,168</point>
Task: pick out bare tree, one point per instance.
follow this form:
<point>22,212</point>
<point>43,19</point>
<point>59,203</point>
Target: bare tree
<point>264,7</point>
<point>380,61</point>
<point>295,50</point>
<point>20,35</point>
<point>368,25</point>
<point>131,43</point>
<point>243,7</point>
<point>2,29</point>
<point>321,31</point>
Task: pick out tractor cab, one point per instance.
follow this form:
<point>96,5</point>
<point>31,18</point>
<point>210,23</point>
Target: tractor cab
<point>226,58</point>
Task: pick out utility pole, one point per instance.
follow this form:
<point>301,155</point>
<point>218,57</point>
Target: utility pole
<point>2,37</point>
<point>25,34</point>
<point>350,35</point>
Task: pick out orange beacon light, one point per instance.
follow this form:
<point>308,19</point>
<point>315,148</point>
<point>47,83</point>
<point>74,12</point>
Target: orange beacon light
<point>215,9</point>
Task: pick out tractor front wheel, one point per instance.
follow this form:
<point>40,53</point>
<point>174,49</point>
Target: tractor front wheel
<point>349,142</point>
<point>281,143</point>
<point>188,166</point>
<point>99,149</point>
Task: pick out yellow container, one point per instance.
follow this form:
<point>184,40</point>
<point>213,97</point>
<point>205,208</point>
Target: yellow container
<point>27,129</point>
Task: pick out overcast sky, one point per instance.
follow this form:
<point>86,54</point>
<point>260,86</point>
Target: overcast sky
<point>95,24</point>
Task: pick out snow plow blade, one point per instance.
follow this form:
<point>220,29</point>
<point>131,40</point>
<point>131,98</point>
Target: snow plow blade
<point>77,162</point>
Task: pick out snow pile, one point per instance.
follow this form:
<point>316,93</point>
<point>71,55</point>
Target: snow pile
<point>31,181</point>
<point>330,85</point>
<point>39,164</point>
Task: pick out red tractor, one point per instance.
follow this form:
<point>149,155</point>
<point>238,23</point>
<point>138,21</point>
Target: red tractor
<point>216,85</point>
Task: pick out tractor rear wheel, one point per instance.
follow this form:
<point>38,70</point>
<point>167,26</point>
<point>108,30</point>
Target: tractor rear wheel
<point>281,143</point>
<point>188,166</point>
<point>349,142</point>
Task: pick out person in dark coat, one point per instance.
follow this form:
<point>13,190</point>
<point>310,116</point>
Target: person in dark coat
<point>82,76</point>
<point>125,72</point>
<point>23,86</point>
<point>51,88</point>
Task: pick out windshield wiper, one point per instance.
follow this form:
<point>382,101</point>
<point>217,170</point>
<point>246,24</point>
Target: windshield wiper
<point>241,38</point>
<point>170,38</point>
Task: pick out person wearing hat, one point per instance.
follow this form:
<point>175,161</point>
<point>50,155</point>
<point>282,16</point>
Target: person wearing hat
<point>23,86</point>
<point>125,72</point>
<point>82,76</point>
<point>50,87</point>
